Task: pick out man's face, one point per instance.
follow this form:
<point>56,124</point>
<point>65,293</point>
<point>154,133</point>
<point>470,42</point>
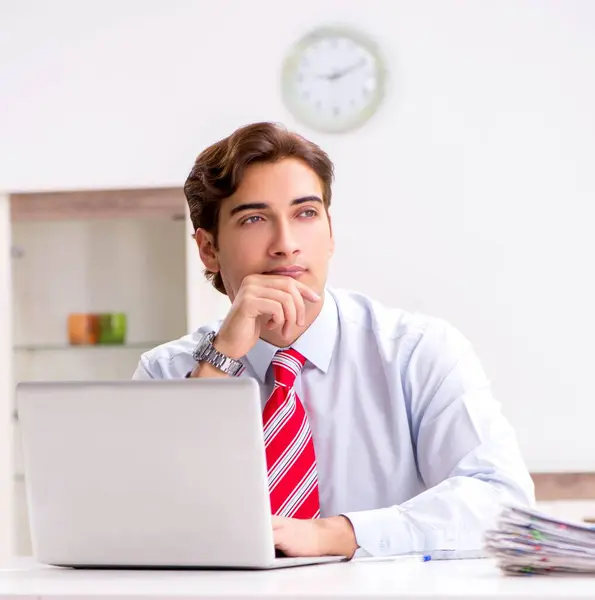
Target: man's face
<point>276,219</point>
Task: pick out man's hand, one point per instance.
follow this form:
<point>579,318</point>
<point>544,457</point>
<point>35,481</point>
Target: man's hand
<point>269,301</point>
<point>314,537</point>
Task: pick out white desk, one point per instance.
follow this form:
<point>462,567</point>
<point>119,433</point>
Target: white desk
<point>409,580</point>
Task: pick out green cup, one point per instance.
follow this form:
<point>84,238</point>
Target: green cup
<point>112,328</point>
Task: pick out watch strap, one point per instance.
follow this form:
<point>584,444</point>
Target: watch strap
<point>206,352</point>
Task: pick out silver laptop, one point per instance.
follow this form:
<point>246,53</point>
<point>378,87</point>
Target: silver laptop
<point>148,474</point>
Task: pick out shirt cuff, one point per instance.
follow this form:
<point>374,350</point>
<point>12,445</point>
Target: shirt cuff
<point>380,532</point>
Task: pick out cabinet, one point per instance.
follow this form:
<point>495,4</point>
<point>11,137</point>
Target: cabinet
<point>91,252</point>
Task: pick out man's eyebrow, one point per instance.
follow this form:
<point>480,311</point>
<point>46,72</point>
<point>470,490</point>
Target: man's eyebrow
<point>263,205</point>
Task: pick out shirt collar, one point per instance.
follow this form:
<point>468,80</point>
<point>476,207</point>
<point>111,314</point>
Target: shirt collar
<point>315,344</point>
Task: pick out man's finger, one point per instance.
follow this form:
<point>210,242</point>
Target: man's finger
<point>285,283</point>
<point>278,522</point>
<point>307,292</point>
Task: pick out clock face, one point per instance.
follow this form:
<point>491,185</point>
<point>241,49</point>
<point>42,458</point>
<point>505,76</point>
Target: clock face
<point>333,80</point>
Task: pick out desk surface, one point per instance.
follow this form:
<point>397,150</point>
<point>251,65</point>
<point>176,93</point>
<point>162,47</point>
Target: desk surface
<point>411,579</point>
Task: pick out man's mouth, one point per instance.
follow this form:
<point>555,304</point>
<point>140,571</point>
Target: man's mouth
<point>289,271</point>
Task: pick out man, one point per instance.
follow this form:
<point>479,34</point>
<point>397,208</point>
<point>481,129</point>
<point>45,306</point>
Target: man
<point>382,436</point>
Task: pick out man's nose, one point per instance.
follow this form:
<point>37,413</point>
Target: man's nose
<point>285,242</point>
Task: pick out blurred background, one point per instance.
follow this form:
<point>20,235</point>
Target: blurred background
<point>463,137</point>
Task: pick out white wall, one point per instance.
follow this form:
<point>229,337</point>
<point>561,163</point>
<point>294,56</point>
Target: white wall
<point>469,195</point>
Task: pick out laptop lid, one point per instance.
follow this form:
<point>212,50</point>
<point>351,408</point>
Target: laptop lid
<point>146,473</point>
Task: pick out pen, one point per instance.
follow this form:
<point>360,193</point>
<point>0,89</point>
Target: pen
<point>394,557</point>
<point>453,555</point>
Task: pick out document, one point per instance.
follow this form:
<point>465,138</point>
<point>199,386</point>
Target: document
<point>527,541</point>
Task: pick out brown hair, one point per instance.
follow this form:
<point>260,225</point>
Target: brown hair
<point>218,171</point>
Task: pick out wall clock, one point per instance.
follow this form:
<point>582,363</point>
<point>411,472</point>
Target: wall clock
<point>333,79</point>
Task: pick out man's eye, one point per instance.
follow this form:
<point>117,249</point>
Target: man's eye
<point>310,212</point>
<point>250,220</point>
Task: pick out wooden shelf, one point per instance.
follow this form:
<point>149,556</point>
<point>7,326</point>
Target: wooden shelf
<point>98,204</point>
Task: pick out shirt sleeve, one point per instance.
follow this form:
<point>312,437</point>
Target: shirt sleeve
<point>467,455</point>
<point>143,370</point>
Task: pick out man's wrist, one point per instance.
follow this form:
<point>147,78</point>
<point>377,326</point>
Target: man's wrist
<point>206,369</point>
<point>221,346</point>
<point>214,359</point>
<point>338,536</point>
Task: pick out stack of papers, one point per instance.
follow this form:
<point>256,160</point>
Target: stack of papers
<point>526,541</point>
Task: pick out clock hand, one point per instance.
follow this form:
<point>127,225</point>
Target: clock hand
<point>342,72</point>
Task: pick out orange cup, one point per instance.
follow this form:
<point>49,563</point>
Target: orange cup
<point>83,329</point>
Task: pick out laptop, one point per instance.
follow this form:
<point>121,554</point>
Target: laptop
<point>148,474</point>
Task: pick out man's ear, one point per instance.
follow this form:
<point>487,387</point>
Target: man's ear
<point>207,250</point>
<point>332,247</point>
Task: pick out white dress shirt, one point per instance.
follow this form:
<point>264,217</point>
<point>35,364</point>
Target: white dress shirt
<point>410,444</point>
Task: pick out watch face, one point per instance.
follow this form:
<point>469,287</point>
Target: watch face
<point>333,80</point>
<point>203,345</point>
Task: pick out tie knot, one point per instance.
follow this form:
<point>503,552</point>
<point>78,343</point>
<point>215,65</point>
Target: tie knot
<point>286,366</point>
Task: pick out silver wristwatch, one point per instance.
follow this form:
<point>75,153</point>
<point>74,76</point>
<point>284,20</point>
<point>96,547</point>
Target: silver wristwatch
<point>205,351</point>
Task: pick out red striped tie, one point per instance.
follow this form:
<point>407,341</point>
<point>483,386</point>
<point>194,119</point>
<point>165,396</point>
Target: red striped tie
<point>293,481</point>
